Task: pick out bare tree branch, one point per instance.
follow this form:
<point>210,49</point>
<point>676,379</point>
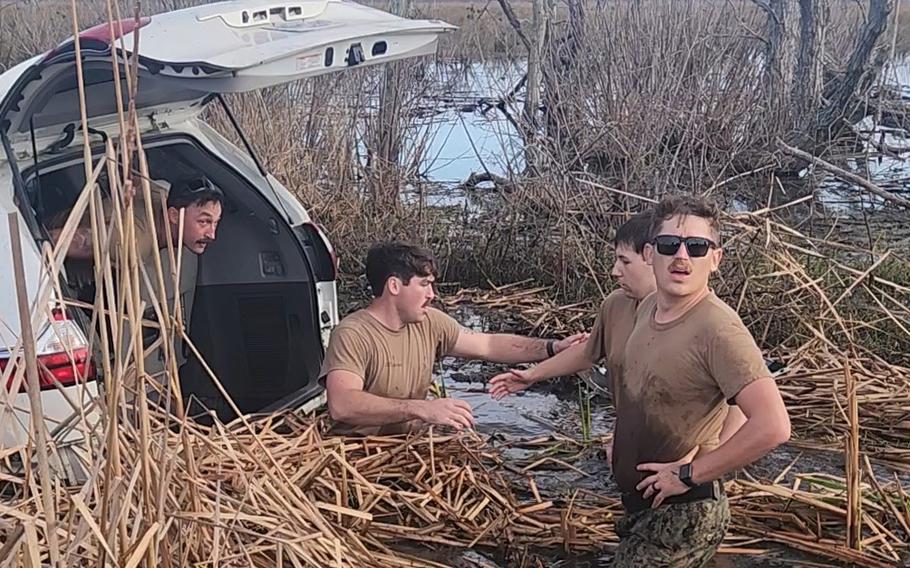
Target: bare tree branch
<point>513,21</point>
<point>842,174</point>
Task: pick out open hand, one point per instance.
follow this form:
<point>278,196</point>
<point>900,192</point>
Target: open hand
<point>564,344</point>
<point>450,412</point>
<point>664,482</point>
<point>511,381</point>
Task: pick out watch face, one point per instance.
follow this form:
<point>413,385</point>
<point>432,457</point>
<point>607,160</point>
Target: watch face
<point>685,474</point>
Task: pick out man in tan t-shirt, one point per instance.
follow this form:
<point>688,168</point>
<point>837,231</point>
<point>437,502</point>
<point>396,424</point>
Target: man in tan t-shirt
<point>687,354</point>
<point>379,362</point>
<point>612,326</point>
<point>613,323</point>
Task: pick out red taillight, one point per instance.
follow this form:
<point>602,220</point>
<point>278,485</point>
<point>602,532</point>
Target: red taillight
<point>102,32</point>
<point>334,260</point>
<point>99,37</point>
<point>330,248</point>
<point>63,356</point>
<point>58,368</point>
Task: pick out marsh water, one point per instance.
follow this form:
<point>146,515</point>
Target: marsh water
<point>465,135</point>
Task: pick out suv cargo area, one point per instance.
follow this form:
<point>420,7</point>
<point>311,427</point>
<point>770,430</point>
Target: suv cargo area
<point>254,316</point>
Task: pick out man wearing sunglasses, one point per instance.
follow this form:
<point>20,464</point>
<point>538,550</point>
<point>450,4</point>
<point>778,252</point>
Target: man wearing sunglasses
<point>687,354</point>
<point>615,320</point>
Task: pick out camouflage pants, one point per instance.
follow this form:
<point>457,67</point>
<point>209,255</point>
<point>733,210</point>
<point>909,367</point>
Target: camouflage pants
<point>684,535</point>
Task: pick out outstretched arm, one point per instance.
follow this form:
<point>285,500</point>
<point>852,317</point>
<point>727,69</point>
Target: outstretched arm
<point>507,348</point>
<point>571,360</point>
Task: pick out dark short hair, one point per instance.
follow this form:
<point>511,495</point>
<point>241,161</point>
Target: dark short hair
<point>681,204</point>
<point>396,258</point>
<point>634,233</point>
<point>197,190</point>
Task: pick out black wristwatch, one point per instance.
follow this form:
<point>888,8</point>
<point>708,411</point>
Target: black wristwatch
<point>685,475</point>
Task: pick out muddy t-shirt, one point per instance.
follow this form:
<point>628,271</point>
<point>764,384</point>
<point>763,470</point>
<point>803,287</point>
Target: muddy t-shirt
<point>677,377</point>
<point>611,330</point>
<point>392,363</point>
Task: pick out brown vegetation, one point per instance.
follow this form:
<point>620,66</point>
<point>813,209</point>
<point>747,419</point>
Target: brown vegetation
<point>667,96</point>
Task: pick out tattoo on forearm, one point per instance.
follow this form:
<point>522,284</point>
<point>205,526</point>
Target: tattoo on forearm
<point>530,345</point>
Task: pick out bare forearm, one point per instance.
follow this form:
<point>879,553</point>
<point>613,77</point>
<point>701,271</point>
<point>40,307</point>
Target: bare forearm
<point>570,361</point>
<point>753,440</point>
<point>732,423</point>
<point>80,247</point>
<point>506,348</point>
<point>364,409</point>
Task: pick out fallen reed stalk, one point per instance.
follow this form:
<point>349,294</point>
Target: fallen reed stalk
<point>364,496</point>
<point>30,358</point>
<point>853,471</point>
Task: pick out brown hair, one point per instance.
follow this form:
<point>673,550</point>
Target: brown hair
<point>198,190</point>
<point>397,258</point>
<point>634,233</point>
<point>680,204</point>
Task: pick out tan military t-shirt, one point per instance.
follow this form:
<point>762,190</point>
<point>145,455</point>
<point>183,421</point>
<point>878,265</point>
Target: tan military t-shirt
<point>677,377</point>
<point>392,363</point>
<point>146,239</point>
<point>611,330</point>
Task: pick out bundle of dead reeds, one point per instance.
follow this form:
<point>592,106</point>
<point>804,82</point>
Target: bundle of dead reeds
<point>536,311</point>
<point>277,491</point>
<point>812,515</point>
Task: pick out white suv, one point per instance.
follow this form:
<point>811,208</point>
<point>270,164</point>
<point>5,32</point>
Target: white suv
<point>265,296</point>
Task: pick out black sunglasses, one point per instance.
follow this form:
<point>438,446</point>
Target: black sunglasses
<point>697,247</point>
<point>200,184</point>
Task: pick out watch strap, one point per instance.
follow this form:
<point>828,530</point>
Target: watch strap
<point>551,347</point>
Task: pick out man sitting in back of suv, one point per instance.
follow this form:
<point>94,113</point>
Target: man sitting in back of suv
<point>379,363</point>
<point>200,199</point>
<point>201,203</point>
